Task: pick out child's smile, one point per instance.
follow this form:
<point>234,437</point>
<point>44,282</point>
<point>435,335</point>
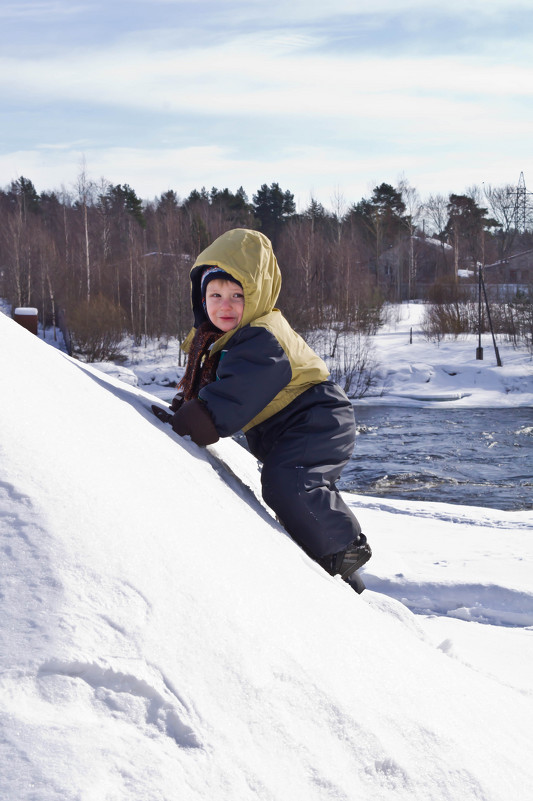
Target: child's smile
<point>224,302</point>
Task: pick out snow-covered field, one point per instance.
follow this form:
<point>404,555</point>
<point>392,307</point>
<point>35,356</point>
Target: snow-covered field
<point>163,639</point>
<point>448,372</point>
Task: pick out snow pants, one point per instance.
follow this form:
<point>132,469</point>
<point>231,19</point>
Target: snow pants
<point>304,449</point>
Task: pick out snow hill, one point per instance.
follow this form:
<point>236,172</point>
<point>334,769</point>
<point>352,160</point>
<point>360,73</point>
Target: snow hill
<point>163,639</point>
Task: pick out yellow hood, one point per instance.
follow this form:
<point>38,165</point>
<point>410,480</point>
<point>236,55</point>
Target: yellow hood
<point>248,257</point>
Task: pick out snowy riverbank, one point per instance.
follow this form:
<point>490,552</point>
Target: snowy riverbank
<point>423,372</point>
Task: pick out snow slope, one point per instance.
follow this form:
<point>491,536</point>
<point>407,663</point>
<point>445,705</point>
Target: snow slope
<point>163,639</point>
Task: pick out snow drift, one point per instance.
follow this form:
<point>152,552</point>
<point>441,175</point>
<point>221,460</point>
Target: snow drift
<point>162,638</point>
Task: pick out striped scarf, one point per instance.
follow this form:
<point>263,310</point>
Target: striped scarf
<point>201,366</point>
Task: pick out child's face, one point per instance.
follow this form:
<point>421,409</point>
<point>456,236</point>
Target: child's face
<point>224,302</point>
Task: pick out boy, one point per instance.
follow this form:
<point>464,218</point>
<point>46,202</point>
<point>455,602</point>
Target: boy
<point>248,369</point>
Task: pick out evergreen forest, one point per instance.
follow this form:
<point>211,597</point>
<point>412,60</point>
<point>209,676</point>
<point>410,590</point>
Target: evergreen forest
<point>101,259</point>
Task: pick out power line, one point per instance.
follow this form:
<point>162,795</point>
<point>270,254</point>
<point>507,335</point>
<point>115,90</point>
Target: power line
<point>521,206</point>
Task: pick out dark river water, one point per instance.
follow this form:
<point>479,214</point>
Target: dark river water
<point>475,457</point>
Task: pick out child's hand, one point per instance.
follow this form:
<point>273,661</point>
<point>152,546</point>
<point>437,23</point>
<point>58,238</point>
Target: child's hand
<point>193,418</point>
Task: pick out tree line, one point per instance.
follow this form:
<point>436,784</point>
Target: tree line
<point>101,256</point>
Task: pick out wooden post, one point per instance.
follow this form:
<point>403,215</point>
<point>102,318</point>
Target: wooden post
<point>27,317</point>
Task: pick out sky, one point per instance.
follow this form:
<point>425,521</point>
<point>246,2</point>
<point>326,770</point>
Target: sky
<point>326,99</point>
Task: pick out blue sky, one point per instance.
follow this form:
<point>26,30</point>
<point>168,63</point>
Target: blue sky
<point>326,98</point>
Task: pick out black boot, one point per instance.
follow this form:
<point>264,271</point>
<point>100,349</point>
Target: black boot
<point>355,557</point>
<point>347,562</point>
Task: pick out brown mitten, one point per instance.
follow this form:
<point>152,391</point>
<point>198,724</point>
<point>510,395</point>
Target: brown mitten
<point>193,418</point>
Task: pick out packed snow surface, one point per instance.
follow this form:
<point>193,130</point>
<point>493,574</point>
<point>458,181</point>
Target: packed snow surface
<point>162,639</point>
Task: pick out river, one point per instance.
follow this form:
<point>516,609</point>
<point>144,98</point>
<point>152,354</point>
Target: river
<point>474,457</point>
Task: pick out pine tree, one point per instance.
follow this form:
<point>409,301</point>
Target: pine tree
<point>272,206</point>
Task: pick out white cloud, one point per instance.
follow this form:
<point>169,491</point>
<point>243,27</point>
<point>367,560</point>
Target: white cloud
<point>307,10</point>
<point>306,171</point>
<point>40,10</point>
<point>222,81</point>
<point>255,104</point>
